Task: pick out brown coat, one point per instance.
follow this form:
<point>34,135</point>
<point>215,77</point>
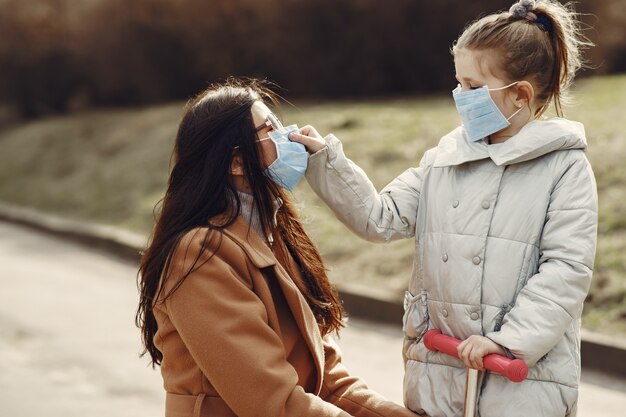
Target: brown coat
<point>238,338</point>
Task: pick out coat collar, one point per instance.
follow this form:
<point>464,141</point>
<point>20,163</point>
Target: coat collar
<point>535,139</point>
<point>262,257</point>
<point>249,240</point>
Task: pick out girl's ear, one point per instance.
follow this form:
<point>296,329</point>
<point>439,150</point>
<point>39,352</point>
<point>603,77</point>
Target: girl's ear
<point>236,165</point>
<point>525,94</point>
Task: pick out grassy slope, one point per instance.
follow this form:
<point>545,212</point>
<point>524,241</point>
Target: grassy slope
<point>111,166</point>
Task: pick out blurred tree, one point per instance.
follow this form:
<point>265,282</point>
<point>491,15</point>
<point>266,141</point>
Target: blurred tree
<point>606,23</point>
<point>38,70</point>
<point>57,55</point>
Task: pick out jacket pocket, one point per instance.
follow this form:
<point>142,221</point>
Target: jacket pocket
<point>415,320</point>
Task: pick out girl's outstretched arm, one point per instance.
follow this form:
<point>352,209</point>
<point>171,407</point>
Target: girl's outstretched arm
<point>346,189</point>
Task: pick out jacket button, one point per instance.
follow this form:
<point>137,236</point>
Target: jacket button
<point>476,260</point>
<point>455,203</point>
<point>474,316</point>
<point>486,204</point>
<point>444,257</point>
<point>444,312</point>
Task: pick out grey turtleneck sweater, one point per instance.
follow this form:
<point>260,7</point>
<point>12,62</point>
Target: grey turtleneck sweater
<point>251,214</point>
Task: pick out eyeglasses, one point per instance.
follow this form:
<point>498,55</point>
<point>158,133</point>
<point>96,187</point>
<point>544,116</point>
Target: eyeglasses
<point>272,121</point>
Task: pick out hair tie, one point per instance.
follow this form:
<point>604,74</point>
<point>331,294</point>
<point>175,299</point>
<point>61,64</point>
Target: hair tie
<point>530,16</point>
<point>523,9</point>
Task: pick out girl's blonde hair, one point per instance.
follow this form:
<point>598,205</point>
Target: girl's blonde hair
<point>539,41</point>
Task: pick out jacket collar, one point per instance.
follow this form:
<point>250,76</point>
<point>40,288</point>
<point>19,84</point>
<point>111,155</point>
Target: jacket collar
<point>535,139</point>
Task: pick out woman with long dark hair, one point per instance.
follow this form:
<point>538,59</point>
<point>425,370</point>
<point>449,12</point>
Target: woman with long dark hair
<point>236,306</point>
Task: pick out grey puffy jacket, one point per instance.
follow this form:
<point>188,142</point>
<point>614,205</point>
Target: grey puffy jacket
<point>505,240</point>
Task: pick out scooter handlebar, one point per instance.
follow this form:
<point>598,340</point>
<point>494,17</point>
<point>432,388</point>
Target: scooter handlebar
<point>514,369</point>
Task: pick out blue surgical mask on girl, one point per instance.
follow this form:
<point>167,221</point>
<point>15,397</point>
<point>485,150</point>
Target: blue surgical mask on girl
<point>479,114</point>
<point>290,165</point>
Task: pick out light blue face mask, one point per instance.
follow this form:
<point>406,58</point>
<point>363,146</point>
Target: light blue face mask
<point>479,114</point>
<point>290,165</point>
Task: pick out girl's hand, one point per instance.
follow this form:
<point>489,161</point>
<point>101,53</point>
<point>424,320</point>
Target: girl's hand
<point>309,137</point>
<point>474,348</point>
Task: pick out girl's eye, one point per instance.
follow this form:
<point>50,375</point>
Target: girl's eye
<point>473,88</point>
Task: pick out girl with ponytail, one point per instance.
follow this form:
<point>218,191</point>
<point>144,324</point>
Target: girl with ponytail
<point>504,214</point>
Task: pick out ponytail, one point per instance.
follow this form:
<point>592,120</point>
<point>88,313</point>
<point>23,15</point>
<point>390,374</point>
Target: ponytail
<point>567,43</point>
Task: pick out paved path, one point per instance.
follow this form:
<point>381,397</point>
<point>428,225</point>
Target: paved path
<point>68,345</point>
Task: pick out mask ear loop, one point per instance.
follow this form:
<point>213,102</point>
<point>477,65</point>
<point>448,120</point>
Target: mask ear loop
<point>505,87</point>
<point>515,114</point>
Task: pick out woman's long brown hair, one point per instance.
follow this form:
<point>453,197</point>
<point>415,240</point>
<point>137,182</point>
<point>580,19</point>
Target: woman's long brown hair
<point>200,188</point>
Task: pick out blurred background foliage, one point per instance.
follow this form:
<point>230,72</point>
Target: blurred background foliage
<point>378,73</point>
<point>110,166</point>
<point>64,55</point>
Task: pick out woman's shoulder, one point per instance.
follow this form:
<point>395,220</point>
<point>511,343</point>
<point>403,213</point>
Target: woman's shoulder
<point>194,241</point>
<point>203,253</point>
<point>229,241</point>
<point>203,243</point>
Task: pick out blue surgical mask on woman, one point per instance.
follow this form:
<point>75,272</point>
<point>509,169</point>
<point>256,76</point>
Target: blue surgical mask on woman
<point>290,165</point>
<point>479,114</point>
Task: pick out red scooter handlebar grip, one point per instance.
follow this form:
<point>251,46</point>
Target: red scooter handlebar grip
<point>514,369</point>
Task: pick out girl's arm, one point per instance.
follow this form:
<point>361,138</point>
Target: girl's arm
<point>346,189</point>
<point>553,298</point>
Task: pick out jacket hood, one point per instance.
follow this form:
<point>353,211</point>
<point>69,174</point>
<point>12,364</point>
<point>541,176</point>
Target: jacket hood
<point>535,139</point>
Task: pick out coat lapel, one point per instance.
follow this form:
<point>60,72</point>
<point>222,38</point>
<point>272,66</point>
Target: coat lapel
<point>305,320</point>
<point>262,257</point>
<point>455,149</point>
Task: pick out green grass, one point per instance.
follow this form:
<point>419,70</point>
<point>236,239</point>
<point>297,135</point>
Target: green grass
<point>110,166</point>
